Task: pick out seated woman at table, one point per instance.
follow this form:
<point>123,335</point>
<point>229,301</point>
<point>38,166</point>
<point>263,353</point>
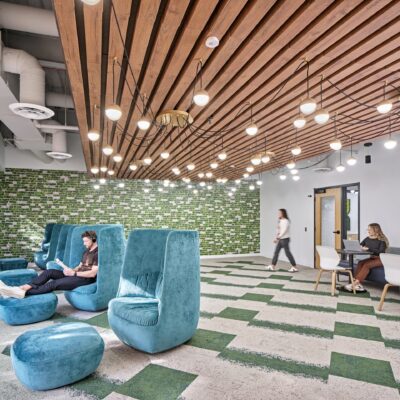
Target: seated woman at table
<point>376,243</point>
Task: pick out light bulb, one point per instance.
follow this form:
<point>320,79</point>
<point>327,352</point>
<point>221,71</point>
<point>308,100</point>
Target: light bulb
<point>384,107</point>
<point>351,161</point>
<point>91,2</point>
<point>147,160</point>
<point>133,167</point>
<point>96,187</point>
<point>186,180</point>
<point>209,174</point>
<point>103,168</point>
<point>144,123</point>
<point>246,175</point>
<point>296,150</point>
<point>250,169</point>
<point>202,184</point>
<point>110,172</point>
<point>259,183</point>
<point>195,191</point>
<point>146,190</point>
<point>121,185</point>
<point>321,116</point>
<point>295,177</point>
<point>291,164</point>
<point>340,168</point>
<point>209,187</point>
<point>189,186</point>
<point>164,155</point>
<point>294,171</point>
<point>94,170</point>
<point>308,106</point>
<point>256,161</point>
<point>390,144</point>
<point>108,150</point>
<point>230,194</point>
<point>214,165</point>
<point>166,182</point>
<point>224,180</point>
<point>265,159</point>
<point>252,187</point>
<point>336,145</point>
<point>172,185</point>
<point>113,112</point>
<point>201,175</point>
<point>237,181</point>
<point>102,181</point>
<point>282,177</point>
<point>93,135</point>
<point>190,167</point>
<point>176,170</point>
<point>222,156</point>
<point>117,158</point>
<point>252,130</point>
<point>299,122</point>
<point>160,189</point>
<point>233,189</point>
<point>201,98</point>
<point>147,180</point>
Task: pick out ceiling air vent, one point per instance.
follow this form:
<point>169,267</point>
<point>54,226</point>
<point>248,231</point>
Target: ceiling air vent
<point>321,170</point>
<point>31,111</point>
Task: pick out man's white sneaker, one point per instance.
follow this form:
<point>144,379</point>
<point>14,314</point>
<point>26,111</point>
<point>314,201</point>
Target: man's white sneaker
<point>270,268</point>
<point>293,269</point>
<point>12,291</point>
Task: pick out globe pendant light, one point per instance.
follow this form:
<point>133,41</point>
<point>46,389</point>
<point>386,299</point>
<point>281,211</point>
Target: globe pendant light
<point>133,167</point>
<point>252,129</point>
<point>113,112</point>
<point>265,159</point>
<point>102,181</point>
<point>256,160</point>
<point>93,135</point>
<point>214,165</point>
<point>110,172</point>
<point>144,123</point>
<point>201,175</point>
<point>390,143</point>
<point>91,2</point>
<point>94,170</point>
<point>108,150</point>
<point>351,160</point>
<point>176,171</point>
<point>294,171</point>
<point>209,174</point>
<point>200,97</point>
<point>282,177</point>
<point>191,167</point>
<point>250,169</point>
<point>309,105</point>
<point>299,122</point>
<point>103,168</point>
<point>291,164</point>
<point>296,177</point>
<point>296,150</point>
<point>336,144</point>
<point>385,105</point>
<point>222,156</point>
<point>147,160</point>
<point>246,175</point>
<point>164,155</point>
<point>117,158</point>
<point>340,167</point>
<point>321,117</point>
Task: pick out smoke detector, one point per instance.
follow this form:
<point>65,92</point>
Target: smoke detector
<point>31,111</point>
<point>58,155</point>
<point>320,170</point>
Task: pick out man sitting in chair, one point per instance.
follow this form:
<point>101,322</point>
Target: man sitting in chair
<point>67,279</point>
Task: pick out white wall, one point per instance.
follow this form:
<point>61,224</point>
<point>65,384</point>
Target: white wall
<point>379,200</point>
<point>15,158</point>
<point>2,154</point>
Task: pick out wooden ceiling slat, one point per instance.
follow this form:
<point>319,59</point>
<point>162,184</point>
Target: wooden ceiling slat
<point>290,90</point>
<point>353,42</point>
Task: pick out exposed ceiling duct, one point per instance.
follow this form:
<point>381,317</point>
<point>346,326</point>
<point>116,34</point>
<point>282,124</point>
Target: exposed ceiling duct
<point>59,143</point>
<point>27,19</point>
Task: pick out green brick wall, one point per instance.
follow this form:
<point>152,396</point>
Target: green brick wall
<point>31,198</point>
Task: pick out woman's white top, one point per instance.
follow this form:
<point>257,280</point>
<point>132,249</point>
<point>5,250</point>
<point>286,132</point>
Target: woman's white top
<point>283,231</point>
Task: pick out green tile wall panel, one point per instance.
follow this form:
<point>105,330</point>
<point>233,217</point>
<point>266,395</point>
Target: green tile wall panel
<point>32,198</point>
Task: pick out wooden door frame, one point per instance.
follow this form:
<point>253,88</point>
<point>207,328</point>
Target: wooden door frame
<point>343,210</point>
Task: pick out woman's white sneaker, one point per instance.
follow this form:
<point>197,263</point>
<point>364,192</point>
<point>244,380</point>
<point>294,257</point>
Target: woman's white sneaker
<point>293,269</point>
<point>12,291</point>
<point>270,268</point>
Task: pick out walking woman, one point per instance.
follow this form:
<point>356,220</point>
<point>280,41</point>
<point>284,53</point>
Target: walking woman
<point>282,241</point>
<point>376,242</point>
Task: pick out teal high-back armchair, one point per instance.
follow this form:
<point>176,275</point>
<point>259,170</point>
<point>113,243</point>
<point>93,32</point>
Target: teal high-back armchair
<point>42,257</point>
<point>158,302</point>
<point>111,243</point>
<point>63,246</point>
<point>47,235</point>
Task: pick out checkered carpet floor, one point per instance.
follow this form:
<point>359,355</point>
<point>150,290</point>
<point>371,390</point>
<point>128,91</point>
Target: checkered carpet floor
<point>262,335</point>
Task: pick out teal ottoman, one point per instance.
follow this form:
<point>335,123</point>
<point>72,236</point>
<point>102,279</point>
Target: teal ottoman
<point>57,355</point>
<point>28,310</point>
<point>17,277</point>
<point>12,263</point>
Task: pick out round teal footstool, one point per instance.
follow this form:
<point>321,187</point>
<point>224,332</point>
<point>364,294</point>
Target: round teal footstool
<point>57,355</point>
<point>28,310</point>
<point>17,277</point>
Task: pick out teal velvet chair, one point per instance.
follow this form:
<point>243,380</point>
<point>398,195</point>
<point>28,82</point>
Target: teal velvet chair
<point>42,257</point>
<point>47,235</point>
<point>63,246</point>
<point>158,302</point>
<point>111,242</point>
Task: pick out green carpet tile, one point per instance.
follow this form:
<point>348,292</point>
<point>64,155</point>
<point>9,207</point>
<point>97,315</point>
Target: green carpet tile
<point>358,331</point>
<point>237,313</point>
<point>210,340</point>
<point>156,382</point>
<point>362,369</point>
<point>356,308</point>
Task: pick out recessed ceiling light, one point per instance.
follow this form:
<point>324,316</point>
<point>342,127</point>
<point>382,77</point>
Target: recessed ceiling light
<point>212,42</point>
